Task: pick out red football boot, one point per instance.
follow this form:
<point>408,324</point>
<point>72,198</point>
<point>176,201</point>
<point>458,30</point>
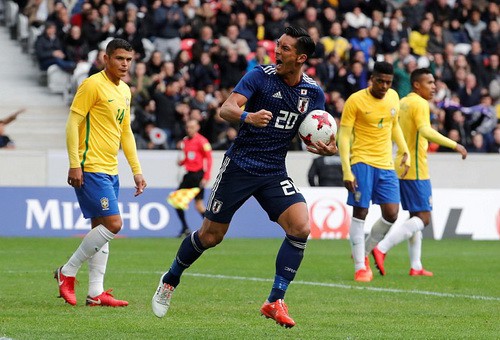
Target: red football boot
<point>278,311</point>
<point>106,300</point>
<point>379,258</point>
<point>66,286</point>
<point>421,272</point>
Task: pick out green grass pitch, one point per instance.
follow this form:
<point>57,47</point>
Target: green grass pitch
<point>220,295</point>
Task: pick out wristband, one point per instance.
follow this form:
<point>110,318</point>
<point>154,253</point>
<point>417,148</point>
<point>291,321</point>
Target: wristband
<point>243,116</point>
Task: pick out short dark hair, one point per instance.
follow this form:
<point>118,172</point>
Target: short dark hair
<point>305,44</point>
<point>383,67</point>
<point>415,75</point>
<point>116,44</point>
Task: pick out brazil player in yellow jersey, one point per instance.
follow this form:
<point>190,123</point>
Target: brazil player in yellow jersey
<point>415,187</point>
<point>98,123</point>
<point>368,127</point>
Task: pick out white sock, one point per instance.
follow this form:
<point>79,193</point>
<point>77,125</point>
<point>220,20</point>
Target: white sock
<point>415,250</point>
<point>357,238</point>
<point>97,268</point>
<point>377,234</point>
<point>90,245</point>
<point>400,233</point>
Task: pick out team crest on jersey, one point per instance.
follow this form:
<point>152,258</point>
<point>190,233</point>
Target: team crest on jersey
<point>303,92</point>
<point>303,104</point>
<point>393,112</point>
<point>105,203</point>
<point>216,206</point>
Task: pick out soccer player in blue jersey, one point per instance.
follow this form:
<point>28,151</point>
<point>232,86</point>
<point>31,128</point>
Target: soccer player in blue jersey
<point>415,187</point>
<point>276,100</point>
<point>98,123</point>
<point>368,127</point>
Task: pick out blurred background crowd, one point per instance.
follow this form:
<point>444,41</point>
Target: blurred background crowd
<point>190,54</point>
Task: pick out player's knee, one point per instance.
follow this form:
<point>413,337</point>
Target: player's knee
<point>426,220</point>
<point>114,226</point>
<point>210,240</point>
<point>300,230</point>
<point>391,216</point>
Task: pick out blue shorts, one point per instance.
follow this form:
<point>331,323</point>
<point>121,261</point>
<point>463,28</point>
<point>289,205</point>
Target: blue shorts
<point>416,195</point>
<point>99,195</point>
<point>378,185</point>
<point>234,186</point>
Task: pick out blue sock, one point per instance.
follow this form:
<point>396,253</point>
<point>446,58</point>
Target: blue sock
<point>189,251</point>
<point>287,263</point>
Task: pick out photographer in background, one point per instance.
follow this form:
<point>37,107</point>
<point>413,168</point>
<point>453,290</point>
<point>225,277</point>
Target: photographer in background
<point>326,171</point>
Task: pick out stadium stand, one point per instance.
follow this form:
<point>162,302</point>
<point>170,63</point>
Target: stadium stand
<point>445,45</point>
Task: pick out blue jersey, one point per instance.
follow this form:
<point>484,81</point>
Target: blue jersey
<point>262,151</point>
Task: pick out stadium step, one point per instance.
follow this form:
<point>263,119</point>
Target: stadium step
<point>42,126</point>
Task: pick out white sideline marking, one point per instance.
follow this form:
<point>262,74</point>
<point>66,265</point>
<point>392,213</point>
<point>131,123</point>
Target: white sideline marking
<point>337,285</point>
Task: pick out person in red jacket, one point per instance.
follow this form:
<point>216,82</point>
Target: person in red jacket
<point>197,162</point>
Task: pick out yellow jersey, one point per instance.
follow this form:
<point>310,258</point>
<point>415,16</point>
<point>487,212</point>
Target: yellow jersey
<point>106,108</point>
<point>415,121</point>
<point>372,121</point>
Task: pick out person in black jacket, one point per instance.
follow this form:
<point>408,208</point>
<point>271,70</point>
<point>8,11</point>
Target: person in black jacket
<point>326,171</point>
<point>49,50</point>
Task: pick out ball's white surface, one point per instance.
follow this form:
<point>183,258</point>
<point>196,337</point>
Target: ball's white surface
<point>318,125</point>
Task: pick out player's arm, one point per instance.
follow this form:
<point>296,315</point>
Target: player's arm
<point>399,139</point>
<point>344,140</point>
<point>75,173</point>
<point>232,112</point>
<point>432,135</point>
<point>130,151</point>
<point>12,117</point>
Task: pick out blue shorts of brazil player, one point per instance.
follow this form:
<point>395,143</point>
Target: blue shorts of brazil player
<point>416,195</point>
<point>99,195</point>
<point>378,185</point>
<point>234,186</point>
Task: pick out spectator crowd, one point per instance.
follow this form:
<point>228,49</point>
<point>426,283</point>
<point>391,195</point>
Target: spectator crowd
<point>190,54</point>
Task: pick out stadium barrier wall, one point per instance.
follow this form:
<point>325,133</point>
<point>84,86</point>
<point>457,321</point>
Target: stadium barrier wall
<point>54,212</point>
<point>35,199</point>
<point>50,168</point>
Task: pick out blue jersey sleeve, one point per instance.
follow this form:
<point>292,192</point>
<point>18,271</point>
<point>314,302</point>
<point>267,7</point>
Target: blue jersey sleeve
<point>250,82</point>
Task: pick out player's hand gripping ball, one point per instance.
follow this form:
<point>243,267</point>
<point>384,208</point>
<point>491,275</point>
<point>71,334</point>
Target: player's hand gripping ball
<point>318,125</point>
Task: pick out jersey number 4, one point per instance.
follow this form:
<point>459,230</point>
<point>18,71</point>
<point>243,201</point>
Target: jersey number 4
<point>120,115</point>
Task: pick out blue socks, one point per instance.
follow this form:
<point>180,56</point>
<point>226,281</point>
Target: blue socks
<point>189,251</point>
<point>287,263</point>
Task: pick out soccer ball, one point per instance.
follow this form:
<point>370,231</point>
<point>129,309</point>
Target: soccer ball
<point>318,125</point>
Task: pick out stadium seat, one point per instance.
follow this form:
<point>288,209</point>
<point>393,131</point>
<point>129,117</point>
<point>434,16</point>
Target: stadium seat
<point>462,49</point>
<point>269,45</point>
<point>23,31</point>
<point>149,48</point>
<point>2,12</point>
<point>92,56</point>
<point>58,81</point>
<point>33,33</point>
<point>187,45</point>
<point>80,73</point>
<point>11,11</point>
<point>102,45</point>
